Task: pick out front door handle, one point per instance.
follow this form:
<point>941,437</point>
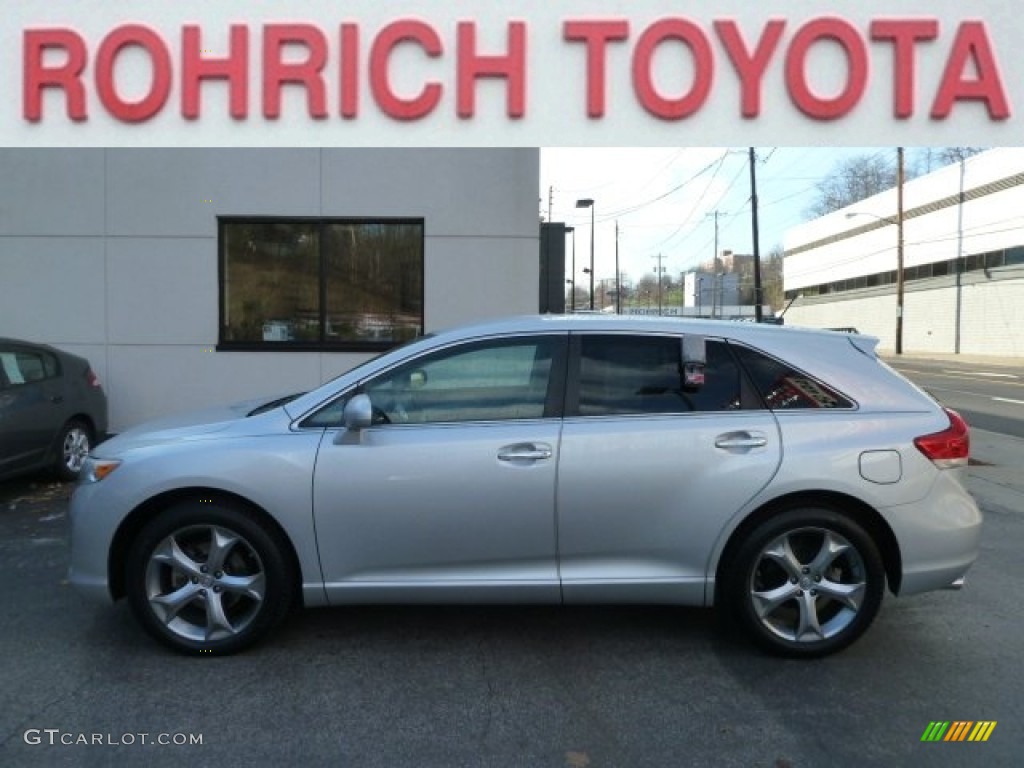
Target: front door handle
<point>525,452</point>
<point>57,399</point>
<point>739,441</point>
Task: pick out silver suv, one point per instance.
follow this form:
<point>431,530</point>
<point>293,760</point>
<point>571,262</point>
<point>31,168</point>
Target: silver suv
<point>785,475</point>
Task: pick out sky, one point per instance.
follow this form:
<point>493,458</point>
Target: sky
<point>664,199</point>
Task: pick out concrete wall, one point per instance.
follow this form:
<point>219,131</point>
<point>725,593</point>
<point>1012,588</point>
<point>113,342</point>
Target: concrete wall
<point>112,254</point>
<point>991,314</point>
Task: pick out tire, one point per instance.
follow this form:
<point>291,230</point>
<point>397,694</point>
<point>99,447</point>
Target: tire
<point>206,578</point>
<point>805,583</point>
<point>73,444</point>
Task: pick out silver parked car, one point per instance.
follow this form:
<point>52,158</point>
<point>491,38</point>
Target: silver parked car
<point>785,475</point>
<point>52,410</point>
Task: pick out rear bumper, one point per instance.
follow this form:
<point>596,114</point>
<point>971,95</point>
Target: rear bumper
<point>939,536</point>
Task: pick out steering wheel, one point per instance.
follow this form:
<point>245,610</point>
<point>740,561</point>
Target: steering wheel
<point>380,416</point>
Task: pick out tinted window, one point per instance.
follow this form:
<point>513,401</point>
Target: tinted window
<point>643,374</point>
<point>783,387</point>
<point>490,381</point>
<point>20,367</point>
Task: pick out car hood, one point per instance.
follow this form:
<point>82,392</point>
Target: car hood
<point>191,425</point>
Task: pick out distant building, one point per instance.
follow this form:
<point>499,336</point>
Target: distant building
<point>963,258</point>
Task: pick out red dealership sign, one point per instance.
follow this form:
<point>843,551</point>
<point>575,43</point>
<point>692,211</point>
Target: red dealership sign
<point>562,77</point>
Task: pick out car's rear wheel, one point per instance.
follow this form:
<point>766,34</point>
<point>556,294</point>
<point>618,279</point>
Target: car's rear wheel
<point>205,577</point>
<point>806,583</point>
<point>73,446</point>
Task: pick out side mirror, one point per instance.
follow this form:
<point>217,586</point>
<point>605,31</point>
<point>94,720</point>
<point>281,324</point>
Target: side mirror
<point>695,358</point>
<point>358,413</point>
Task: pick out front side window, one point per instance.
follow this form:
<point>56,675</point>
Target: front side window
<point>320,284</point>
<point>486,381</point>
<point>623,375</point>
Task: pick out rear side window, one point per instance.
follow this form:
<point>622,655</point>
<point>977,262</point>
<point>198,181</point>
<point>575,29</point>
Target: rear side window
<point>24,367</point>
<point>785,388</point>
<point>623,375</point>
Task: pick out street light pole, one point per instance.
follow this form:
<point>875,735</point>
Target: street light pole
<point>587,202</point>
<point>573,294</point>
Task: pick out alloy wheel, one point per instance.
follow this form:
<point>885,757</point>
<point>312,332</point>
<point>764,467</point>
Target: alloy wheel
<point>808,585</point>
<point>205,583</point>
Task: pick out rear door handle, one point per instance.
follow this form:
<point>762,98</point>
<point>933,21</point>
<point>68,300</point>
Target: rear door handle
<point>57,399</point>
<point>525,452</point>
<point>738,441</point>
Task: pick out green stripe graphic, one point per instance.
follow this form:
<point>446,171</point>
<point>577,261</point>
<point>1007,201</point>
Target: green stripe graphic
<point>935,731</point>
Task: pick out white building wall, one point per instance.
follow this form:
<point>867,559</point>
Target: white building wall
<point>840,246</point>
<point>991,316</point>
<point>112,254</point>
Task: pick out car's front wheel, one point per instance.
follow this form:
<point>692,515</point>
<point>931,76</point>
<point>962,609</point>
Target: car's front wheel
<point>806,583</point>
<point>205,577</point>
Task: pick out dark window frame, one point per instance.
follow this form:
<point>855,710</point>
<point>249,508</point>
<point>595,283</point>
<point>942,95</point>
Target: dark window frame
<point>321,345</point>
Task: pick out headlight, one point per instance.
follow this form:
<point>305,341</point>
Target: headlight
<point>94,470</point>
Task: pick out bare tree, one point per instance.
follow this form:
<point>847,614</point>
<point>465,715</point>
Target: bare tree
<point>771,278</point>
<point>952,155</point>
<point>852,180</point>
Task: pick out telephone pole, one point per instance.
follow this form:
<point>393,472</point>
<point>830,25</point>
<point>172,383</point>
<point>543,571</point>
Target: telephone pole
<point>659,257</point>
<point>899,250</point>
<point>758,298</point>
<point>715,214</point>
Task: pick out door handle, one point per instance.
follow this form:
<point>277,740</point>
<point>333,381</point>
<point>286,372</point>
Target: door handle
<point>525,452</point>
<point>732,441</point>
<point>57,399</point>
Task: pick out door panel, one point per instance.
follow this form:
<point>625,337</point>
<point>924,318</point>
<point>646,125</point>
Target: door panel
<point>437,512</point>
<point>450,495</point>
<point>642,499</point>
<point>651,468</point>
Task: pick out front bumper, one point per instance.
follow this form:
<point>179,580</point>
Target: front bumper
<point>92,532</point>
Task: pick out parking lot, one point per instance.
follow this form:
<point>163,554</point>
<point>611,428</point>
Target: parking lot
<point>507,686</point>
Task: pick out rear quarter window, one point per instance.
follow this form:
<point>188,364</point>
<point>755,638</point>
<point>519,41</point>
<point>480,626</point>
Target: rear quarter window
<point>783,387</point>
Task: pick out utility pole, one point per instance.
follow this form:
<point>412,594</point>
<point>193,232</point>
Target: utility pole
<point>715,214</point>
<point>551,200</point>
<point>659,257</point>
<point>899,251</point>
<point>758,298</point>
<point>959,255</point>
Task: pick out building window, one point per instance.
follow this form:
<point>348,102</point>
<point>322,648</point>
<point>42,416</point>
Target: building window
<point>320,283</point>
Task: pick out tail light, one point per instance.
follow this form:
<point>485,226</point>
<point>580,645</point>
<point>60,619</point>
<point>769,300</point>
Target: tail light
<point>949,448</point>
<point>91,378</point>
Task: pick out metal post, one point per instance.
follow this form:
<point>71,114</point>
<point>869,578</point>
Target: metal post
<point>592,254</point>
<point>959,257</point>
<point>899,252</point>
<point>758,297</point>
